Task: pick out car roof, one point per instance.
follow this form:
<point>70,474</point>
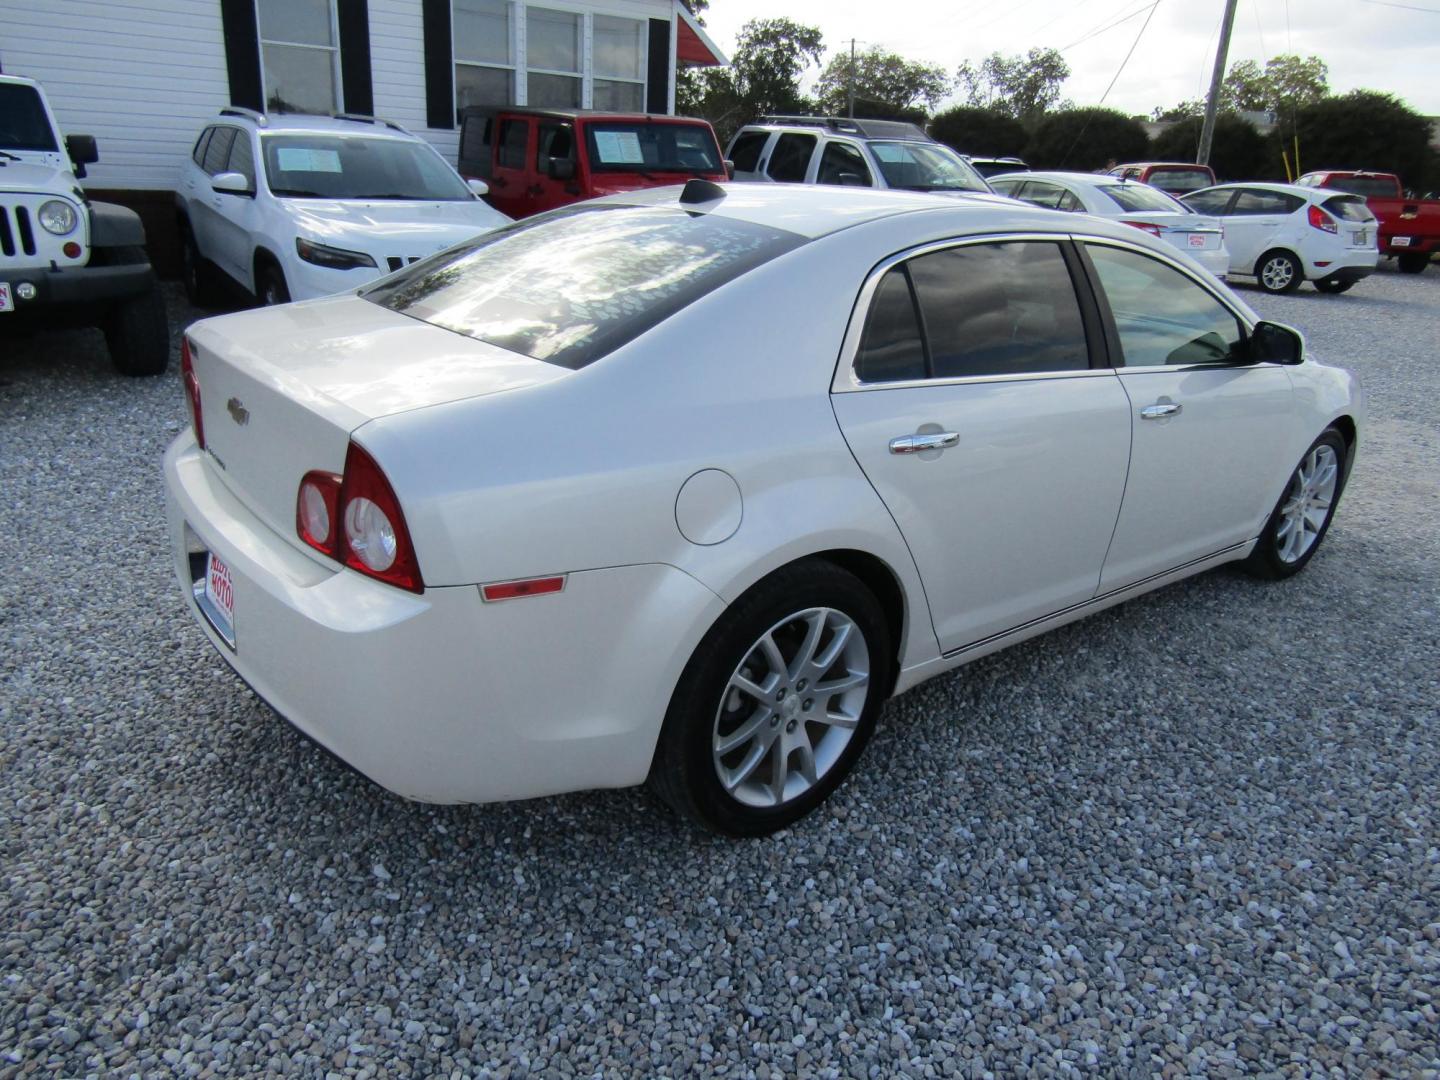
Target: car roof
<point>580,114</point>
<point>1261,185</point>
<point>1088,179</point>
<point>1165,164</point>
<point>292,123</point>
<point>816,210</point>
<point>843,125</point>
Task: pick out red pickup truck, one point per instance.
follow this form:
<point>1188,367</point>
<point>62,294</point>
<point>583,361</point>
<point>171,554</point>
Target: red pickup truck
<point>1409,228</point>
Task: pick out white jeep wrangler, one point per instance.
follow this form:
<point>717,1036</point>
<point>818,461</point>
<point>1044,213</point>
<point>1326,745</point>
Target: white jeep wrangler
<point>65,260</point>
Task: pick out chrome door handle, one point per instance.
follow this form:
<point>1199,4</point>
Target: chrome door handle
<point>913,444</point>
<point>1159,412</point>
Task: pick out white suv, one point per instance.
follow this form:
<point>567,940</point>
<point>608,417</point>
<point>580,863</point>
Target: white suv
<point>294,207</point>
<point>848,152</point>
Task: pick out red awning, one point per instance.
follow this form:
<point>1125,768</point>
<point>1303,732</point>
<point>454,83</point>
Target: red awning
<point>693,46</point>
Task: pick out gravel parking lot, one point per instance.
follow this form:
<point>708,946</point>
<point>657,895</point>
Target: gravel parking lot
<point>1196,834</point>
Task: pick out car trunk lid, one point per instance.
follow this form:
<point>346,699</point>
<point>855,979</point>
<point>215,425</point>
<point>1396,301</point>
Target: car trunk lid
<point>282,389</point>
<point>1188,232</point>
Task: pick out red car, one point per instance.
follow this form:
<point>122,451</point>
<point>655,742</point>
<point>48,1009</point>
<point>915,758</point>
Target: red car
<point>1172,177</point>
<point>1409,228</point>
<point>538,159</point>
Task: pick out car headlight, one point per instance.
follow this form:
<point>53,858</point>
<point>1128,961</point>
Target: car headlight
<point>330,257</point>
<point>57,217</point>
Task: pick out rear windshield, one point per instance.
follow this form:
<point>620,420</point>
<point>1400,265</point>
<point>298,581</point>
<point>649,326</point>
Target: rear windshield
<point>641,147</point>
<point>570,286</point>
<point>1362,185</point>
<point>23,123</point>
<point>1349,208</point>
<point>1180,180</point>
<point>1137,198</point>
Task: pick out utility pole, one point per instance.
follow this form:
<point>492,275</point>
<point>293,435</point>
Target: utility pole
<point>1207,130</point>
<point>851,80</point>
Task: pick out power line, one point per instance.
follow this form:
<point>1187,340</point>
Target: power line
<point>1111,26</point>
<point>1131,53</point>
<point>1407,7</point>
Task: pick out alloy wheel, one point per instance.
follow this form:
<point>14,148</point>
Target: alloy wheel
<point>1307,503</point>
<point>791,707</point>
<point>1277,273</point>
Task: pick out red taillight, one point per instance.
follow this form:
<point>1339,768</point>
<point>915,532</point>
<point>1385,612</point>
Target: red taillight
<point>361,520</point>
<point>1153,230</point>
<point>1319,219</point>
<point>192,392</point>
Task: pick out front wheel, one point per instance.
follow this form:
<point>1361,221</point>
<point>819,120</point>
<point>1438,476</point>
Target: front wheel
<point>137,332</point>
<point>777,703</point>
<point>271,288</point>
<point>1333,286</point>
<point>1302,517</point>
<point>1414,262</point>
<point>1279,272</point>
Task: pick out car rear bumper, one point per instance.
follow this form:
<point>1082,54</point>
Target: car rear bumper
<point>441,697</point>
<point>1348,274</point>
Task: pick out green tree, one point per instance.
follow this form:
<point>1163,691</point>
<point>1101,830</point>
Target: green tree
<point>1085,139</point>
<point>1239,151</point>
<point>887,82</point>
<point>1287,83</point>
<point>1186,110</point>
<point>1020,86</point>
<point>770,58</point>
<point>974,130</point>
<point>1366,129</point>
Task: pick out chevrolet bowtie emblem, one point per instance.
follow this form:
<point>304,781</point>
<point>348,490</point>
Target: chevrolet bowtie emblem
<point>238,412</point>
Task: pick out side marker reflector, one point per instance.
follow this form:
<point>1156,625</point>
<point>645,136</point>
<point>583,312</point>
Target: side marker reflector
<point>514,590</point>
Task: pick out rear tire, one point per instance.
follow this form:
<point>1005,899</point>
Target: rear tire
<point>1334,286</point>
<point>1302,516</point>
<point>1414,262</point>
<point>782,747</point>
<point>137,332</point>
<point>1279,272</point>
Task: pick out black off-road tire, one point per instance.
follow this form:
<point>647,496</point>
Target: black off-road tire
<point>137,332</point>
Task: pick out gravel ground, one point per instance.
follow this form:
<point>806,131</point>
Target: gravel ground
<point>1196,834</point>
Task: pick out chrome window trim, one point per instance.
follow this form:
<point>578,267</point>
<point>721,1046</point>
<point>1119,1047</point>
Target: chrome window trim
<point>845,380</point>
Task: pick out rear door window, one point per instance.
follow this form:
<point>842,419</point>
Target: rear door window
<point>791,158</point>
<point>572,285</point>
<point>1209,202</point>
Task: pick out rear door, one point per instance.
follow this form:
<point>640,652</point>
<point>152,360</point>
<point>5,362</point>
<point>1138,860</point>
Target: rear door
<point>206,204</point>
<point>1257,221</point>
<point>974,409</point>
<point>1209,430</point>
<point>511,178</point>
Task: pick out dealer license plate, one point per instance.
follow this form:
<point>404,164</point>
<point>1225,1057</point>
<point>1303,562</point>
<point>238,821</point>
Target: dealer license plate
<point>1196,240</point>
<point>217,601</point>
<point>7,302</point>
<point>1400,241</point>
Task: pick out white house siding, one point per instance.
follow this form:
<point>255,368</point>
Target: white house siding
<point>142,76</point>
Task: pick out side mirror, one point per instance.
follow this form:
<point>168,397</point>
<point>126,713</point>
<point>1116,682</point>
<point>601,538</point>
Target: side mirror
<point>82,151</point>
<point>850,179</point>
<point>231,183</point>
<point>1275,343</point>
<point>562,169</point>
<point>478,187</point>
<point>729,169</point>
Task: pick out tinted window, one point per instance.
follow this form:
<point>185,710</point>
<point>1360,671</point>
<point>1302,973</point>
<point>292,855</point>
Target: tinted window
<point>25,125</point>
<point>556,143</point>
<point>1364,185</point>
<point>1137,198</point>
<point>841,163</point>
<point>1180,180</point>
<point>745,151</point>
<point>198,154</point>
<point>1162,316</point>
<point>1209,202</point>
<point>574,284</point>
<point>1252,201</point>
<point>791,157</point>
<point>1349,208</point>
<point>926,166</point>
<point>242,158</point>
<point>1050,196</point>
<point>999,309</point>
<point>891,348</point>
<point>631,147</point>
<point>1007,186</point>
<point>514,134</point>
<point>217,151</point>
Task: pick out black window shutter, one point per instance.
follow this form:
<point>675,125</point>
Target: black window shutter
<point>439,66</point>
<point>242,53</point>
<point>359,94</point>
<point>657,79</point>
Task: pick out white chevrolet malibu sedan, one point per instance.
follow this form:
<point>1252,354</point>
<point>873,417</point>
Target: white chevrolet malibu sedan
<point>680,486</point>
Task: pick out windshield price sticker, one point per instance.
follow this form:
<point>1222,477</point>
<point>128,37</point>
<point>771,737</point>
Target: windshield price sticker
<point>303,159</point>
<point>619,148</point>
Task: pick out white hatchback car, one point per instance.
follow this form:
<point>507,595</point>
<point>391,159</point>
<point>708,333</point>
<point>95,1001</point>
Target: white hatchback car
<point>523,518</point>
<point>1145,207</point>
<point>1282,235</point>
<point>292,207</point>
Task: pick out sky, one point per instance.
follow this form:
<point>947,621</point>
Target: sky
<point>1377,45</point>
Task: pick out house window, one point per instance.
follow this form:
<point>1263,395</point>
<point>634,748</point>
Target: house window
<point>299,56</point>
<point>484,53</point>
<point>553,72</point>
<point>618,47</point>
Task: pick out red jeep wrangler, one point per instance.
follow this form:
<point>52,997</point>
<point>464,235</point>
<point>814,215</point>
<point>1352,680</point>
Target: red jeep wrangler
<point>538,159</point>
